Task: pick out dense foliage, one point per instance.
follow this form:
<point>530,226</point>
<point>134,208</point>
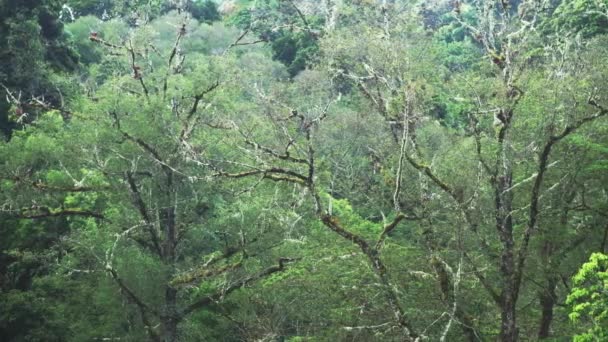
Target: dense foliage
<point>281,170</point>
<point>33,50</point>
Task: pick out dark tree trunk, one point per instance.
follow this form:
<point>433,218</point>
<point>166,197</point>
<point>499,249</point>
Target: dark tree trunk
<point>604,240</point>
<point>547,303</point>
<point>168,318</point>
<point>508,328</point>
<point>504,225</point>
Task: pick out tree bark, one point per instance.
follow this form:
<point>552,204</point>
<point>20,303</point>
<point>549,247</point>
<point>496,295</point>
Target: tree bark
<point>547,303</point>
<point>604,240</point>
<point>504,225</point>
<point>168,319</point>
<point>508,328</point>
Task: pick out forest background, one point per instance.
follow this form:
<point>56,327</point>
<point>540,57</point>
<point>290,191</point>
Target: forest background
<point>282,170</point>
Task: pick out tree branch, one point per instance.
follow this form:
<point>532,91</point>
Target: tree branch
<point>47,213</point>
<point>205,301</point>
<point>542,168</point>
<point>180,35</point>
<point>290,176</point>
<point>44,187</point>
<point>144,309</point>
<point>143,211</point>
<point>390,227</point>
<point>379,269</point>
<point>202,273</point>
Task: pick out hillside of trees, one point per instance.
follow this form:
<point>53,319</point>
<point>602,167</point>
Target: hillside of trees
<point>303,170</point>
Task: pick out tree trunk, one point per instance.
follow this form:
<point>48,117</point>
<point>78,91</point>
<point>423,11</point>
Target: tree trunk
<point>168,319</point>
<point>504,225</point>
<point>604,240</point>
<point>547,302</point>
<point>508,328</point>
<point>547,296</point>
<point>169,316</point>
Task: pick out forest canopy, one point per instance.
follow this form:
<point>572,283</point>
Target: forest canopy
<point>303,170</point>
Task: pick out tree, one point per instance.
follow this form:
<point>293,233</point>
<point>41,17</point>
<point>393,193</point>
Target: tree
<point>379,170</point>
<point>34,48</point>
<point>588,298</point>
<point>395,92</point>
<point>205,11</point>
<point>291,33</point>
<point>134,205</point>
<point>587,18</point>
